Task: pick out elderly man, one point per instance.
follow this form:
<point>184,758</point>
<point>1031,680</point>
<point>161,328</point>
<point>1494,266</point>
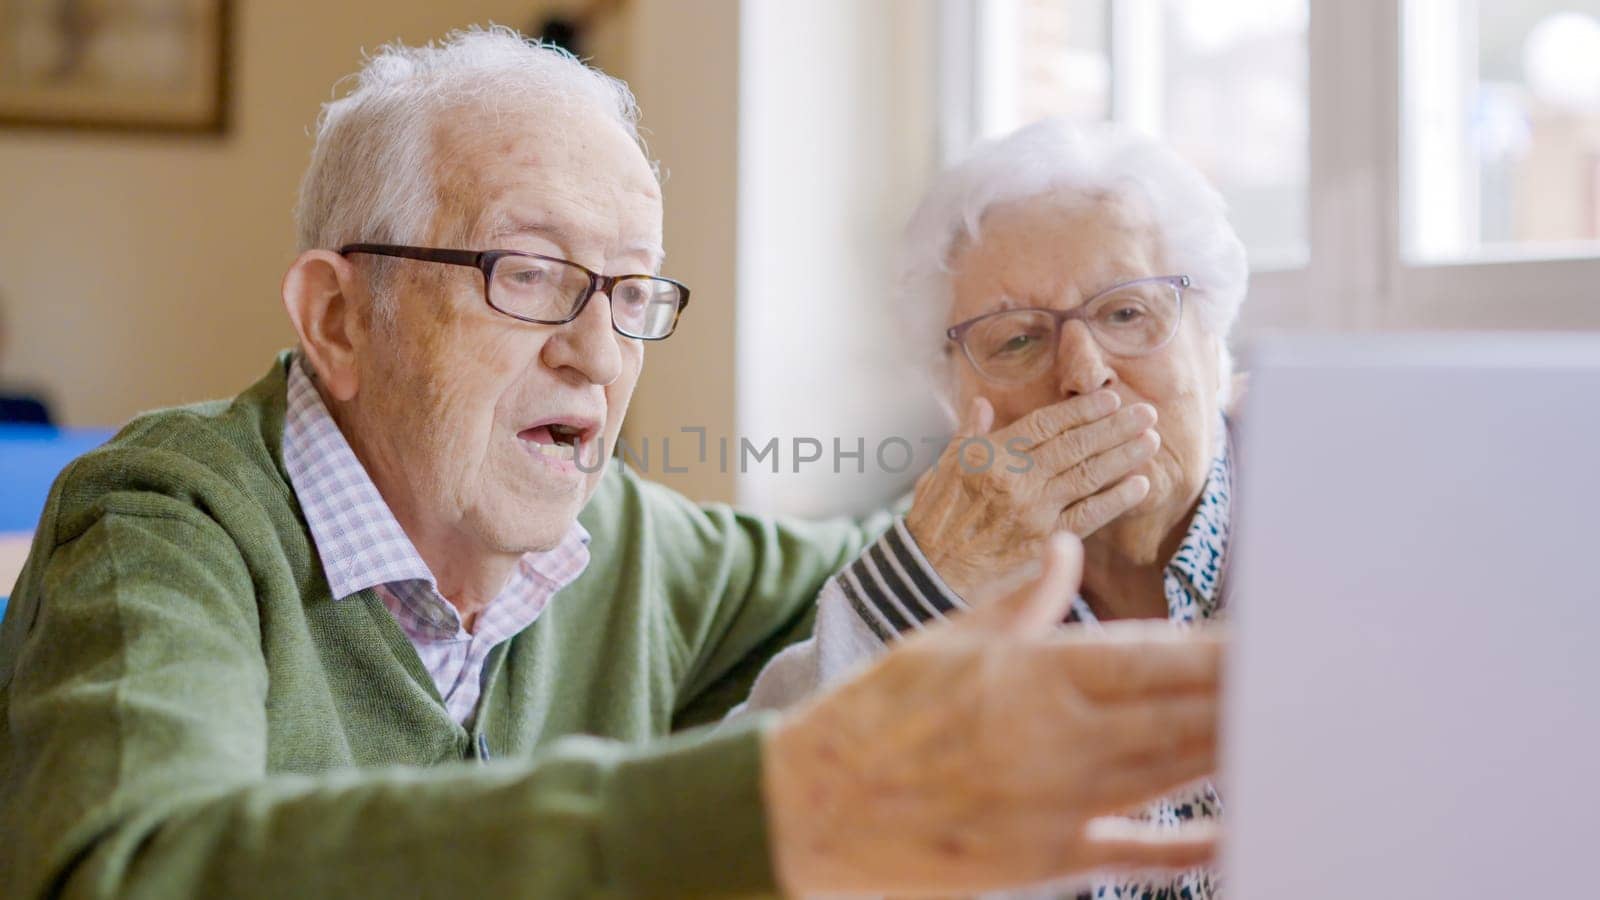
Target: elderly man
<point>346,634</point>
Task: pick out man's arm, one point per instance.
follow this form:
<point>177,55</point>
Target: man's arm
<point>134,755</point>
<point>135,751</point>
<point>887,591</point>
<point>986,752</point>
<point>736,588</point>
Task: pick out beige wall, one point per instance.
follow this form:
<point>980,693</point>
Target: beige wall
<point>794,138</point>
<point>142,271</point>
<point>682,59</point>
<point>838,139</point>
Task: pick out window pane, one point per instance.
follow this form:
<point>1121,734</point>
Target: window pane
<point>1224,83</point>
<point>1501,129</point>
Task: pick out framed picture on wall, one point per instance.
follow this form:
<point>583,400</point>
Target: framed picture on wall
<point>127,65</point>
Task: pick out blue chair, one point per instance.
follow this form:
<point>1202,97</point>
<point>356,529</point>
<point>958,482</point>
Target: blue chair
<point>31,456</point>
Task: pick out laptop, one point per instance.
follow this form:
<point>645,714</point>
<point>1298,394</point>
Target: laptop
<point>1413,692</point>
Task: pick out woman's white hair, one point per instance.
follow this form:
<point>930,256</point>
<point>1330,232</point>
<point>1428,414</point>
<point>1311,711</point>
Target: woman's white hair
<point>372,168</point>
<point>1100,162</point>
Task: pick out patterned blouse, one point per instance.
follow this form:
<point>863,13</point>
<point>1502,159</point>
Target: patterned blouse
<point>1193,584</point>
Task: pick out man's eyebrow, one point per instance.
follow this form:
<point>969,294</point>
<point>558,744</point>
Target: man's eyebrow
<point>555,232</point>
<point>562,236</point>
<point>651,249</point>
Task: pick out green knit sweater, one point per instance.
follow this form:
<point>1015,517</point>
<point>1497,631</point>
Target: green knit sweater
<point>185,710</point>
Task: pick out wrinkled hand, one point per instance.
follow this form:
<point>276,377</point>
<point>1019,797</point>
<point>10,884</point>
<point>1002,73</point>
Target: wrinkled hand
<point>986,752</point>
<point>975,515</point>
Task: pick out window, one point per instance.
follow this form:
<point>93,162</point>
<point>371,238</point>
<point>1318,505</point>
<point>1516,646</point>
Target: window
<point>1501,131</point>
<point>1388,163</point>
<point>1223,83</point>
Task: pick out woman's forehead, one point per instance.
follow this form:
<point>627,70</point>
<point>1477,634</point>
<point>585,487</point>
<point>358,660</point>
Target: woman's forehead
<point>1035,250</point>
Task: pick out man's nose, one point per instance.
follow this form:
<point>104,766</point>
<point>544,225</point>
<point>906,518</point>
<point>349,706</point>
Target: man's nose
<point>1081,365</point>
<point>587,346</point>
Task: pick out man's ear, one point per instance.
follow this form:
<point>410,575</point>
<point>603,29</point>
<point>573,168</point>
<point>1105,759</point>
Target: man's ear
<point>323,294</point>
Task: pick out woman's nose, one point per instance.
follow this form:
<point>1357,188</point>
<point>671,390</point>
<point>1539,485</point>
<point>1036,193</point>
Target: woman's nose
<point>1081,365</point>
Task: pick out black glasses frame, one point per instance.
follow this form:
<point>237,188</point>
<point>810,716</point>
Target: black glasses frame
<point>484,261</point>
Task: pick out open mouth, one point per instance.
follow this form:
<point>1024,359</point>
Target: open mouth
<point>557,439</point>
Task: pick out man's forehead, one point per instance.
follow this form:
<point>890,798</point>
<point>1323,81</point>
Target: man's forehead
<point>520,178</point>
<point>582,146</point>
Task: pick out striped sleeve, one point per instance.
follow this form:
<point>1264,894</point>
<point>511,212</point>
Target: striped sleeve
<point>893,587</point>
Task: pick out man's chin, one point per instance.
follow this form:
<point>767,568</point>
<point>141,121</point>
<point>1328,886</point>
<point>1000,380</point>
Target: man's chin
<point>543,491</point>
<point>533,537</point>
<point>532,518</point>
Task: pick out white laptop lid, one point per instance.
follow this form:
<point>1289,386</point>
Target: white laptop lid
<point>1413,699</point>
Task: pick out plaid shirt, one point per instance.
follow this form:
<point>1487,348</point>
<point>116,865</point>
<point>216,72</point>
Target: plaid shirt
<point>362,546</point>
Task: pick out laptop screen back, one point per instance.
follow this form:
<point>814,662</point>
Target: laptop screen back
<point>1413,699</point>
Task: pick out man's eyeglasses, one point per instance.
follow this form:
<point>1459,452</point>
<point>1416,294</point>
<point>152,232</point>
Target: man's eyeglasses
<point>1129,319</point>
<point>550,291</point>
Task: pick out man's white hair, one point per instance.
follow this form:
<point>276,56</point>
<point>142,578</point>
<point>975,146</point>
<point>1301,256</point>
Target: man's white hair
<point>1098,162</point>
<point>372,168</point>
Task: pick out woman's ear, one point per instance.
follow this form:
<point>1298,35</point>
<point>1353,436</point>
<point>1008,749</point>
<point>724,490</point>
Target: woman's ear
<point>1240,383</point>
<point>940,376</point>
<point>323,294</point>
<point>1229,386</point>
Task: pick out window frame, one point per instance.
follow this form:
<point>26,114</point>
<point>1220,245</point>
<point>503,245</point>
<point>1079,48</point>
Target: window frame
<point>1356,276</point>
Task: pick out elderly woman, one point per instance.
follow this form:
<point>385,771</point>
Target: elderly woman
<point>1077,287</point>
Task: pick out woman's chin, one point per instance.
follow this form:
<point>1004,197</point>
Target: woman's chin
<point>1135,538</point>
<point>1139,534</point>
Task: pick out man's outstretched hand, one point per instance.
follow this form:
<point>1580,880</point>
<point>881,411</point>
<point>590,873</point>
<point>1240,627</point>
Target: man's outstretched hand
<point>987,751</point>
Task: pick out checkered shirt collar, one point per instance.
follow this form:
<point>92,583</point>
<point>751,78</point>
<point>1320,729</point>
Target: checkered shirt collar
<point>361,544</point>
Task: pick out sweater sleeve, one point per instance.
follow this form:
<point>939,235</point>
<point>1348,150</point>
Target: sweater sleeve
<point>135,763</point>
<point>736,588</point>
<point>886,592</point>
<point>840,644</point>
